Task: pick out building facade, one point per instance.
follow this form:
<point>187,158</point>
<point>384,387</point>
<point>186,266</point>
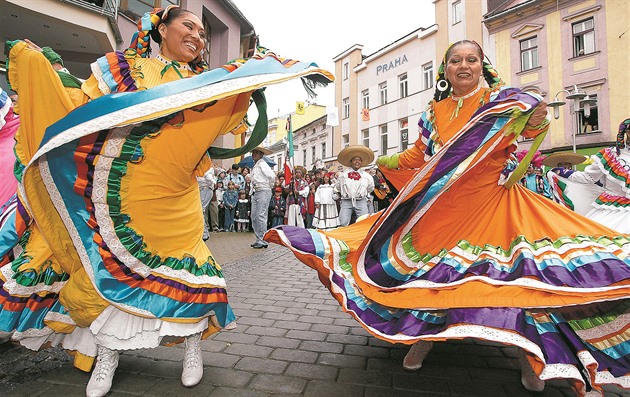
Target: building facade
<point>556,47</point>
<point>380,96</point>
<point>83,30</point>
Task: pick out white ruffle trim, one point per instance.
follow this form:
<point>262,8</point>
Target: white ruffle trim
<point>114,329</point>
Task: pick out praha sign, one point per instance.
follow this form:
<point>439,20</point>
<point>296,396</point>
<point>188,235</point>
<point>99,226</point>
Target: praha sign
<point>391,65</point>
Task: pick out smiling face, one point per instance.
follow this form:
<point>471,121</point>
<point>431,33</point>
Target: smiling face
<point>183,37</point>
<point>463,67</point>
<point>356,162</point>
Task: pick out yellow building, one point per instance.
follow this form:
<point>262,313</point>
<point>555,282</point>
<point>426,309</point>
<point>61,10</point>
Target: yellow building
<point>278,125</point>
<point>558,47</point>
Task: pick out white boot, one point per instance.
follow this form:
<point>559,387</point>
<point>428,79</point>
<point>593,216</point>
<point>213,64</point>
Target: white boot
<point>529,379</point>
<point>193,361</point>
<point>416,355</point>
<point>5,336</point>
<point>103,373</point>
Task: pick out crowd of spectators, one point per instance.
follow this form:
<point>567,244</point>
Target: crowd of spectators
<point>310,199</point>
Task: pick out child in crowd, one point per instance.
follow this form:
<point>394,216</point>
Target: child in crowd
<point>277,206</point>
<point>230,199</point>
<point>242,212</point>
<point>218,192</point>
<point>310,206</point>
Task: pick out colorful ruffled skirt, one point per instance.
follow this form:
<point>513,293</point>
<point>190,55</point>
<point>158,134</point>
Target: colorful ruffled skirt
<point>458,256</point>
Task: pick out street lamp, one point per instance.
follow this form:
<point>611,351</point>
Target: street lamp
<point>580,101</point>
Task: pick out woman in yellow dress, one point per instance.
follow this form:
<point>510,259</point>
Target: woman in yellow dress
<point>108,211</point>
<point>464,251</point>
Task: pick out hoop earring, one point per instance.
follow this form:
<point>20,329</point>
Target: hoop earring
<point>442,85</point>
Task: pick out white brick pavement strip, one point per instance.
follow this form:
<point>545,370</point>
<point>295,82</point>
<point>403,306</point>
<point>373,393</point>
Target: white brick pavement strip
<point>292,340</point>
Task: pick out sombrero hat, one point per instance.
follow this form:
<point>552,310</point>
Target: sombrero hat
<point>563,157</point>
<point>301,169</point>
<point>263,150</point>
<point>352,151</point>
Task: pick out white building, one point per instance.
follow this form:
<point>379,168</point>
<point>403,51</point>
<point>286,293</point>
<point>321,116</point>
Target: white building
<point>380,96</point>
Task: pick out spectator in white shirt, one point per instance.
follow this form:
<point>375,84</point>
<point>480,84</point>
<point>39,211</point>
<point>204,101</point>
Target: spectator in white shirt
<point>262,178</point>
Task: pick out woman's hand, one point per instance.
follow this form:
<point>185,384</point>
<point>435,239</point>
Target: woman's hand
<point>32,45</point>
<point>540,113</point>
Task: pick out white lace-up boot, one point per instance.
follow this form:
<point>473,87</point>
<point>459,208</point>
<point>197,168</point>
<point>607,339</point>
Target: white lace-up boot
<point>416,355</point>
<point>103,373</point>
<point>529,379</point>
<point>193,361</point>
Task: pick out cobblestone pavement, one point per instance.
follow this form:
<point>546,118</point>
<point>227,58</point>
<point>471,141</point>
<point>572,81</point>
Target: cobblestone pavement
<point>292,339</point>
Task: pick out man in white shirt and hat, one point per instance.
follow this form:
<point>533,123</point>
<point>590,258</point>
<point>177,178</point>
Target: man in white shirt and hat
<point>354,185</point>
<point>262,181</point>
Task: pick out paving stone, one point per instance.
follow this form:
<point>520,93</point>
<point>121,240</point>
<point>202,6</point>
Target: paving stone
<point>299,356</point>
<point>319,388</point>
<point>315,320</point>
<point>323,347</point>
<point>165,369</point>
<point>301,311</point>
<point>290,304</point>
<point>169,388</point>
<point>375,391</point>
<point>273,341</point>
<point>226,377</point>
<point>306,335</point>
<point>32,389</point>
<point>266,331</point>
<point>419,384</point>
<point>280,316</point>
<point>51,390</point>
<point>385,364</point>
<point>269,307</point>
<point>133,364</point>
<point>254,321</point>
<point>341,361</point>
<point>364,377</point>
<point>221,360</point>
<point>278,383</point>
<point>233,337</point>
<point>293,325</point>
<point>311,371</point>
<point>127,382</point>
<point>248,350</point>
<point>231,392</point>
<point>366,351</point>
<point>347,339</point>
<point>261,365</point>
<point>477,388</point>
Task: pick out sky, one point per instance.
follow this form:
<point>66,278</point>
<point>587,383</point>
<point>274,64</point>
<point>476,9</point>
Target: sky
<point>317,31</point>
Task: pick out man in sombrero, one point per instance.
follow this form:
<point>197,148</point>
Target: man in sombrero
<point>354,185</point>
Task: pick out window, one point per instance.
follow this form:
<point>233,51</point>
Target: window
<point>529,53</point>
<point>304,157</point>
<point>313,154</point>
<point>383,129</point>
<point>135,9</point>
<point>402,83</point>
<point>313,131</point>
<point>365,99</point>
<point>588,121</point>
<point>345,140</point>
<point>382,90</point>
<point>323,150</point>
<point>457,12</point>
<point>583,37</point>
<point>366,138</point>
<point>404,134</point>
<point>427,75</point>
<point>346,71</point>
<point>346,107</point>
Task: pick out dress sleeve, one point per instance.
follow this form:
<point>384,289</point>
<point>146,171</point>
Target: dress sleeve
<point>111,73</point>
<point>43,97</point>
